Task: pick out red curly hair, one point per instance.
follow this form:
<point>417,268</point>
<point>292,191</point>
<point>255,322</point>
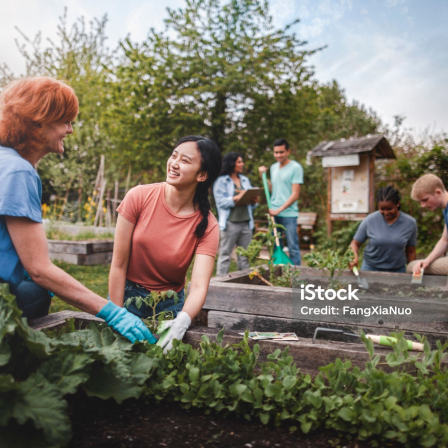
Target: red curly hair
<point>30,103</point>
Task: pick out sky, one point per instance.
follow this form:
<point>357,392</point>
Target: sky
<point>390,55</point>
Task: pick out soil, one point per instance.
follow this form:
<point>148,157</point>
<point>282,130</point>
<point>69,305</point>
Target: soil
<point>140,423</point>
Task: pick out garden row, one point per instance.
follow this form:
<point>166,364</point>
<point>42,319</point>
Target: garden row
<point>39,370</point>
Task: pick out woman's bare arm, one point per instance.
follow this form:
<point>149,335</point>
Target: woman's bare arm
<point>120,259</point>
<point>31,245</point>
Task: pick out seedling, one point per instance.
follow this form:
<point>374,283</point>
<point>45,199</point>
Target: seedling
<point>151,301</point>
<point>331,263</point>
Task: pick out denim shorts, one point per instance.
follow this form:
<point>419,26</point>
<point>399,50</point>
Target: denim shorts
<point>366,267</point>
<point>133,290</point>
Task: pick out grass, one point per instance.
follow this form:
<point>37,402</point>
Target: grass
<point>82,236</point>
<point>96,278</point>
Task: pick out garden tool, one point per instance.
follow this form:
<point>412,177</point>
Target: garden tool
<point>417,278</point>
<point>386,341</point>
<point>279,257</point>
<point>361,281</point>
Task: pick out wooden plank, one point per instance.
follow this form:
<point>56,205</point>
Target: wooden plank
<point>306,219</point>
<point>102,246</point>
<point>252,322</point>
<point>69,247</point>
<point>59,319</point>
<point>83,259</point>
<point>248,299</point>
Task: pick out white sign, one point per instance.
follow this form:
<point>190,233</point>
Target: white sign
<point>348,206</point>
<point>348,175</point>
<point>347,160</point>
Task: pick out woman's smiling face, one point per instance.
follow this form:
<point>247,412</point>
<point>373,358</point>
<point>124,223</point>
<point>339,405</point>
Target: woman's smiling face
<point>183,167</point>
<point>54,134</point>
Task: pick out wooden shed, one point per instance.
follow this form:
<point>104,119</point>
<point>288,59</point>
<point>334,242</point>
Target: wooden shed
<point>351,175</point>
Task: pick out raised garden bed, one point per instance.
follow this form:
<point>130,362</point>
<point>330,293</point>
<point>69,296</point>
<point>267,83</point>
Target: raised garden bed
<point>236,302</point>
<point>81,252</point>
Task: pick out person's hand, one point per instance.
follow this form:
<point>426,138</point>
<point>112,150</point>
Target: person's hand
<point>262,169</point>
<point>177,329</point>
<point>239,196</point>
<point>419,265</point>
<point>254,200</point>
<point>126,323</point>
<point>274,212</point>
<point>353,263</point>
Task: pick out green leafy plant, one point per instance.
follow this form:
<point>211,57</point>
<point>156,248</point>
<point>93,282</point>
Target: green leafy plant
<point>252,253</point>
<point>331,263</point>
<point>407,404</point>
<point>151,301</point>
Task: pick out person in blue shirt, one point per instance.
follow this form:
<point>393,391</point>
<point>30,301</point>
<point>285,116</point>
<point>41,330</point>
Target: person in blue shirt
<point>35,117</point>
<point>286,180</point>
<point>236,223</point>
<point>392,236</point>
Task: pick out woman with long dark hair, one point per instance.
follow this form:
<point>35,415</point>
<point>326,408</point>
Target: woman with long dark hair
<point>161,227</point>
<point>392,236</point>
<point>236,223</point>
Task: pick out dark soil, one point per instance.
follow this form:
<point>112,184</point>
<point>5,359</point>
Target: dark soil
<point>136,423</point>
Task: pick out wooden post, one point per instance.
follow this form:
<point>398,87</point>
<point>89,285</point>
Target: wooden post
<point>128,180</point>
<point>372,181</point>
<point>99,210</point>
<point>114,210</point>
<point>329,221</point>
<point>108,213</point>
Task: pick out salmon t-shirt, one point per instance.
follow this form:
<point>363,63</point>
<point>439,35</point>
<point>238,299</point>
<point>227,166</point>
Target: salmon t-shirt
<point>163,243</point>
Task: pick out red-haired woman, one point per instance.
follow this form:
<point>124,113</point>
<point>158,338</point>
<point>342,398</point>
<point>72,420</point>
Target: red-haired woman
<point>35,118</point>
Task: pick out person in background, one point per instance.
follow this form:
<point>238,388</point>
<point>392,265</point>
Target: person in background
<point>430,191</point>
<point>392,236</point>
<point>285,183</point>
<point>35,117</point>
<point>236,223</point>
<point>160,228</point>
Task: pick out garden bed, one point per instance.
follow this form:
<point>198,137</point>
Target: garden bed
<point>81,252</point>
<point>137,423</point>
<point>237,302</point>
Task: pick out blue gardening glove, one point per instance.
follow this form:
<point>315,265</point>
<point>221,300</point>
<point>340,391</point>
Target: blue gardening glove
<point>177,329</point>
<point>126,323</point>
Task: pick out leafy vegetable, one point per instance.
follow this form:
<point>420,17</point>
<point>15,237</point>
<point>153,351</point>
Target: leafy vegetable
<point>408,405</point>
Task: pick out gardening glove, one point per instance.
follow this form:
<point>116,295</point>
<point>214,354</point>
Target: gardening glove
<point>177,329</point>
<point>126,323</point>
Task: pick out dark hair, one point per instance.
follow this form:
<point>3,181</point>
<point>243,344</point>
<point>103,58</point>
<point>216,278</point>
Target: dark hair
<point>229,162</point>
<point>281,142</point>
<point>388,194</point>
<point>211,163</point>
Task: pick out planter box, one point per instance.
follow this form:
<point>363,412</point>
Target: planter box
<point>307,356</point>
<point>236,302</point>
<point>81,252</point>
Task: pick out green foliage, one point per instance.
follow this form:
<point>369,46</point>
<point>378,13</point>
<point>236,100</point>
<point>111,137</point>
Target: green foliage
<point>406,406</point>
<point>151,301</point>
<point>340,238</point>
<point>331,263</point>
<point>253,250</point>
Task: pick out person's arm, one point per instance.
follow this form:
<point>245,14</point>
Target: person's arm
<point>411,253</point>
<point>354,245</point>
<point>200,279</point>
<point>31,245</point>
<point>120,259</point>
<point>264,169</point>
<point>295,193</point>
<point>222,197</point>
<point>439,251</point>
